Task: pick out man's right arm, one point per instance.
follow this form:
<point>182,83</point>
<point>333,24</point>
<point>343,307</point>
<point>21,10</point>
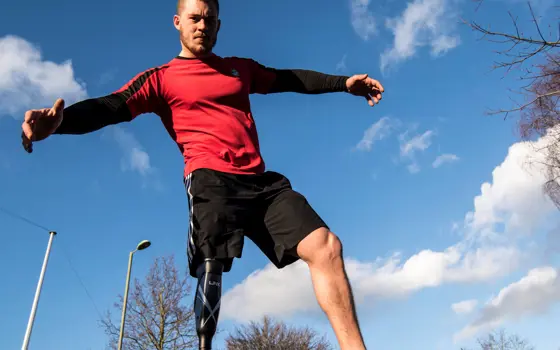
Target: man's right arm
<point>93,114</point>
<point>142,94</point>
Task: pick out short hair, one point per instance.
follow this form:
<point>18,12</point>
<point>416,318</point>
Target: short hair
<point>216,2</point>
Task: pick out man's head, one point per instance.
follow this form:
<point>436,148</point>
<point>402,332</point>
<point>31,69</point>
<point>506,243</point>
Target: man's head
<point>198,24</point>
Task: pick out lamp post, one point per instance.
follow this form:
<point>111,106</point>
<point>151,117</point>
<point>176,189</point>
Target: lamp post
<point>37,293</point>
<point>141,246</point>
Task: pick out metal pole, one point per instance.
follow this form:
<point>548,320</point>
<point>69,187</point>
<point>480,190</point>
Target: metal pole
<point>121,333</point>
<point>37,293</point>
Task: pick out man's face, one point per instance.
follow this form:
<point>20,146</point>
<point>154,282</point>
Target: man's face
<point>198,25</point>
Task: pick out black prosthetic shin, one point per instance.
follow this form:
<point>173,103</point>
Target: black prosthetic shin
<point>207,301</point>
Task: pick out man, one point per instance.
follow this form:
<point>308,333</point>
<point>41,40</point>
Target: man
<point>203,102</point>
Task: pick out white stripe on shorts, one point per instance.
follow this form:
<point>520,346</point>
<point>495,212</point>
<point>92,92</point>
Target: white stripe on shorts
<point>190,245</point>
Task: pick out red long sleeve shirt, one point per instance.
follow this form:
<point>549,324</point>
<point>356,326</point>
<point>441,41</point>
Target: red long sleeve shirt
<point>204,105</point>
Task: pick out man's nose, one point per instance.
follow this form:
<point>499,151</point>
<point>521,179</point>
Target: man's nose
<point>202,24</point>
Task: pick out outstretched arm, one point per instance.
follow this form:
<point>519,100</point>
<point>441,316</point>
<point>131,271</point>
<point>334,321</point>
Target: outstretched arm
<point>270,80</point>
<point>306,81</point>
<point>142,94</point>
<point>93,114</point>
<point>139,95</point>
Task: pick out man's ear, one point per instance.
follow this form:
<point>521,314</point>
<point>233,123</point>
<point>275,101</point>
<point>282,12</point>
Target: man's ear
<point>219,25</point>
<point>176,22</point>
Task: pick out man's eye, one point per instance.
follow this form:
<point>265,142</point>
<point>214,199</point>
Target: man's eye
<point>196,18</point>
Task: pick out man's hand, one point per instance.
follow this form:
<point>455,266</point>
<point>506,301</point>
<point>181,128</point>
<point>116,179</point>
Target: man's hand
<point>362,85</point>
<point>39,124</point>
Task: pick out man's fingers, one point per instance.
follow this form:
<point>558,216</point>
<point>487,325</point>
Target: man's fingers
<point>58,106</point>
<point>377,85</point>
<point>371,89</point>
<point>29,116</point>
<point>32,118</point>
<point>26,143</point>
<point>27,129</point>
<point>357,77</point>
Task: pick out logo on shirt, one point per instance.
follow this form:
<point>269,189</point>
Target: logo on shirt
<point>234,72</point>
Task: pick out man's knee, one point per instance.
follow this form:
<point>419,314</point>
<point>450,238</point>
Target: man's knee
<point>320,247</point>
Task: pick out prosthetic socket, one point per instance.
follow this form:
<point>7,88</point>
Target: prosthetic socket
<point>207,301</point>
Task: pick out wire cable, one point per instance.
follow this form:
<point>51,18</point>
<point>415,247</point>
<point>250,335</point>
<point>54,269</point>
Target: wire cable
<point>17,216</point>
<point>64,251</point>
<point>67,256</point>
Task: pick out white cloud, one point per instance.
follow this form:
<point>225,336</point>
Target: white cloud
<point>413,168</point>
<point>553,241</point>
<point>422,23</point>
<point>444,158</point>
<point>134,157</point>
<point>270,291</point>
<point>28,81</point>
<point>363,22</point>
<point>489,249</point>
<point>289,291</point>
<point>409,146</point>
<point>341,65</point>
<point>431,269</point>
<point>515,198</point>
<point>376,132</point>
<point>533,294</point>
<point>444,43</point>
<point>464,307</point>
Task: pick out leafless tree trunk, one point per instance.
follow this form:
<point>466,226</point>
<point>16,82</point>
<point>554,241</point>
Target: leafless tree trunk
<point>159,312</point>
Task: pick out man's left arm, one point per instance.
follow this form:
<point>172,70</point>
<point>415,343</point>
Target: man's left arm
<point>268,80</point>
<point>306,81</point>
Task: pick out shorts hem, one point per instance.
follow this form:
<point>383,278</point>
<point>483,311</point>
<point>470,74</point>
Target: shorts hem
<point>288,255</point>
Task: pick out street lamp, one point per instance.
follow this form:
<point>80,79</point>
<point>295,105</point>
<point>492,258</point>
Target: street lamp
<point>141,246</point>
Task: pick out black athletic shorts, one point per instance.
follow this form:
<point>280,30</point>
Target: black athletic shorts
<point>224,208</point>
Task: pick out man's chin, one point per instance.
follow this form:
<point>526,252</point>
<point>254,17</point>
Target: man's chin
<point>200,49</point>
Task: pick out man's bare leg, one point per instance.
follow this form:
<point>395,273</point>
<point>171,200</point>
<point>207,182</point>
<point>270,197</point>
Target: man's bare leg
<point>322,251</point>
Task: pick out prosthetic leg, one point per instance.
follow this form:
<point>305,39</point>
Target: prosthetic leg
<point>207,301</point>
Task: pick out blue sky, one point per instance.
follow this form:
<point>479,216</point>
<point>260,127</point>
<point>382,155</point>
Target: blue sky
<point>463,241</point>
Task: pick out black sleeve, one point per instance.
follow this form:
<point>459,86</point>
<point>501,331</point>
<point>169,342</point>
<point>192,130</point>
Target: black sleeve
<point>139,95</point>
<point>306,82</point>
<point>93,114</point>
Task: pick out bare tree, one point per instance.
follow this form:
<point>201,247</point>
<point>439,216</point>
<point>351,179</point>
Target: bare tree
<point>159,316</point>
<point>536,58</point>
<point>274,335</point>
<point>520,46</point>
<point>500,340</point>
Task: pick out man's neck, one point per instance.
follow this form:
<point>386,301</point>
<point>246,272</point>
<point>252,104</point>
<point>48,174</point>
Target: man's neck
<point>188,54</point>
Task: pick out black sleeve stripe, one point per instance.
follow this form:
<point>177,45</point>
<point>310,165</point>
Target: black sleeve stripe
<point>138,83</point>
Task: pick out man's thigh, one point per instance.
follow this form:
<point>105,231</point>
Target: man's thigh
<point>287,219</point>
<point>217,218</point>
